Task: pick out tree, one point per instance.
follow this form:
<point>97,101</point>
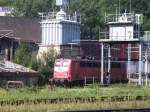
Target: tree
<point>31,8</point>
<point>5,2</point>
<point>92,16</point>
<point>23,55</point>
<point>46,65</point>
<point>92,11</point>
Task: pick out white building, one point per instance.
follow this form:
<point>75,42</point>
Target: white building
<point>59,30</point>
<point>124,27</point>
<point>4,11</point>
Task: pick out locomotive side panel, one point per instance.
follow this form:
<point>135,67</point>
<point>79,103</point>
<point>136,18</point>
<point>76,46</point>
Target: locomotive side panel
<point>75,70</point>
<point>84,69</point>
<point>118,72</point>
<point>79,70</point>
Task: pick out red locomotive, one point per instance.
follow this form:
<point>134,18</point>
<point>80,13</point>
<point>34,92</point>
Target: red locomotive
<point>77,70</point>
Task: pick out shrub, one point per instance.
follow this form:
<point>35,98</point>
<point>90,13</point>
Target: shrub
<point>46,64</point>
<point>22,55</point>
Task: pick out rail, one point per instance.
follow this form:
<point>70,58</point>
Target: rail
<point>76,100</point>
<point>113,110</point>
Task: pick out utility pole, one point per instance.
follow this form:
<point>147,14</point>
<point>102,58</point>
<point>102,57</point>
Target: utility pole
<point>130,6</point>
<point>109,65</point>
<point>102,63</point>
<point>119,7</point>
<point>129,60</point>
<point>109,58</point>
<point>146,65</point>
<point>140,64</point>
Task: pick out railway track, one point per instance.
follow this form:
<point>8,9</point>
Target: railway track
<point>114,110</point>
<point>75,100</point>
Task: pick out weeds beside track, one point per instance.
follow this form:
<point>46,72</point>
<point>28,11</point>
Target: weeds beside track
<point>76,100</point>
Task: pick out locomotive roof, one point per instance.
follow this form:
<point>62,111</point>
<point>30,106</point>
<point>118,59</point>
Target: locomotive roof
<point>86,60</point>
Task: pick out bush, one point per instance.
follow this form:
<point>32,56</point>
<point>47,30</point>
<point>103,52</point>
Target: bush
<point>44,65</point>
<point>23,55</point>
<point>33,64</point>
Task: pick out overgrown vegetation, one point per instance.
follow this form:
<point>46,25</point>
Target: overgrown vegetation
<point>44,65</point>
<point>75,106</point>
<point>35,93</point>
<point>23,55</point>
<point>29,93</point>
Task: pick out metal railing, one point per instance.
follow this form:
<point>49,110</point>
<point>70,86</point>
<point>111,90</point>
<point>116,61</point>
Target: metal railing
<point>89,80</point>
<point>136,34</point>
<point>128,17</point>
<point>70,17</point>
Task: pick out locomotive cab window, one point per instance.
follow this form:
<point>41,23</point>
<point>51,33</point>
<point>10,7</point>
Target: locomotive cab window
<point>96,64</point>
<point>90,64</point>
<point>82,64</point>
<point>85,64</point>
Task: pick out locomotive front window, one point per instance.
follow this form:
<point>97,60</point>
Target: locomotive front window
<point>65,64</point>
<point>57,64</point>
<point>61,66</point>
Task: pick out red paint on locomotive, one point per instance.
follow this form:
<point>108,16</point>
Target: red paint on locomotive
<point>77,69</point>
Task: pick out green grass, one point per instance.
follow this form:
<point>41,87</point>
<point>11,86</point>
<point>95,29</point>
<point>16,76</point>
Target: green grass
<point>89,91</point>
<point>95,90</point>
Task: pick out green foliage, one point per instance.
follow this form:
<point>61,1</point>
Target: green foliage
<point>92,16</point>
<point>95,91</point>
<point>22,55</point>
<point>46,64</point>
<point>92,11</point>
<point>47,58</point>
<point>33,64</point>
<point>31,8</point>
<point>146,25</point>
<point>5,2</point>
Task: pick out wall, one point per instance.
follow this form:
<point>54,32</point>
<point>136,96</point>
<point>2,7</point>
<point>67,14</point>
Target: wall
<point>27,78</point>
<point>121,32</point>
<point>57,32</point>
